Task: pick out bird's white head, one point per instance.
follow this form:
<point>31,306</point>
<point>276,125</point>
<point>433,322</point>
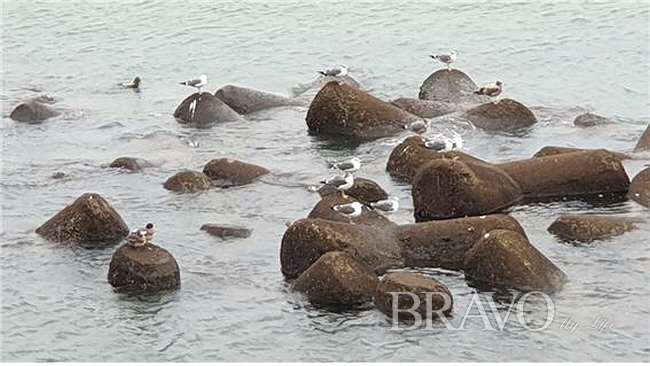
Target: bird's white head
<point>204,79</point>
<point>344,67</point>
<point>355,160</point>
<point>453,52</point>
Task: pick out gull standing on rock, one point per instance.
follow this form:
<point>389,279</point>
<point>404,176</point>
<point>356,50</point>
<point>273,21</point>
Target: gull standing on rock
<point>198,83</point>
<point>350,166</point>
<point>342,70</point>
<point>419,127</point>
<point>442,143</point>
<point>137,238</point>
<point>133,84</point>
<point>349,210</point>
<point>340,182</point>
<point>388,206</point>
<point>446,58</point>
<point>491,90</point>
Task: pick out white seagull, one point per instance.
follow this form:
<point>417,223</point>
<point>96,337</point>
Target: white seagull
<point>150,231</point>
<point>446,58</point>
<point>350,165</point>
<point>419,126</point>
<point>342,70</point>
<point>133,84</point>
<point>491,90</point>
<point>137,238</point>
<point>349,210</point>
<point>386,206</point>
<point>340,182</point>
<point>198,83</point>
<point>442,143</point>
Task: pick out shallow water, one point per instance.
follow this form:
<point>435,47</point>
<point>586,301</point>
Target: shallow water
<point>560,58</point>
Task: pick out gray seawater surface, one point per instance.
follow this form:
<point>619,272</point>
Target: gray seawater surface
<point>560,58</point>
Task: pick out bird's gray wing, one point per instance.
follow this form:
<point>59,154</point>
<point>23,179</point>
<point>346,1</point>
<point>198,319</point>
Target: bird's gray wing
<point>344,165</point>
<point>346,209</point>
<point>192,82</point>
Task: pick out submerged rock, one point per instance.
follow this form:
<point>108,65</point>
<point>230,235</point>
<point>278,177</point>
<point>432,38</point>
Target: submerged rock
<point>88,220</point>
<point>231,172</point>
<point>32,111</point>
<point>640,188</point>
<point>451,86</point>
<point>445,189</point>
<point>204,109</point>
<point>588,228</point>
<point>307,240</point>
<point>555,150</point>
<point>145,269</point>
<point>408,157</point>
<point>339,109</point>
<point>504,115</point>
<point>188,181</point>
<point>425,108</point>
<point>426,289</point>
<point>129,163</point>
<point>589,120</point>
<point>245,100</point>
<point>226,232</point>
<point>444,243</point>
<point>581,174</point>
<point>644,141</point>
<point>336,278</point>
<point>505,259</point>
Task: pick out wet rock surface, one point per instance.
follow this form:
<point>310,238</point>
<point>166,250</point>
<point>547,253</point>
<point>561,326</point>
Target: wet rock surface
<point>204,109</point>
<point>644,142</point>
<point>89,220</point>
<point>339,109</point>
<point>226,231</point>
<point>581,174</point>
<point>425,108</point>
<point>445,189</point>
<point>504,115</point>
<point>409,156</point>
<point>556,150</point>
<point>444,243</point>
<point>364,190</point>
<point>439,297</point>
<point>451,86</point>
<point>244,100</point>
<point>640,188</point>
<point>188,181</point>
<point>505,259</point>
<point>589,228</point>
<point>231,172</point>
<point>32,111</point>
<point>590,120</point>
<point>145,269</point>
<point>336,278</point>
<point>130,163</point>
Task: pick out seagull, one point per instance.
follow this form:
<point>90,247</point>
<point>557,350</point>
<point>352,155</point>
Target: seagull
<point>137,238</point>
<point>340,182</point>
<point>342,70</point>
<point>446,58</point>
<point>442,143</point>
<point>349,210</point>
<point>133,84</point>
<point>491,90</point>
<point>388,206</point>
<point>198,83</point>
<point>350,166</point>
<point>419,126</point>
<point>150,231</point>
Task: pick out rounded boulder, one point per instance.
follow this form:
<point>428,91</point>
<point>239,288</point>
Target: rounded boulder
<point>589,120</point>
<point>640,188</point>
<point>188,181</point>
<point>231,172</point>
<point>339,109</point>
<point>445,189</point>
<point>451,86</point>
<point>89,220</point>
<point>505,259</point>
<point>504,115</point>
<point>145,269</point>
<point>203,109</point>
<point>244,100</point>
<point>588,228</point>
<point>32,111</point>
<point>398,292</point>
